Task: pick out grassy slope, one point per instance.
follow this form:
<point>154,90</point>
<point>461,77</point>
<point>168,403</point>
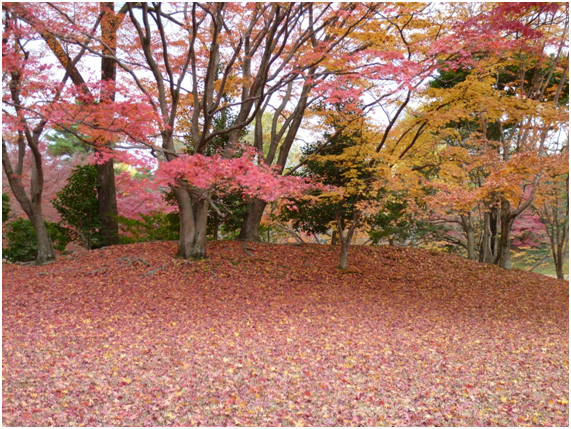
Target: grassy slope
<point>525,260</point>
<point>128,335</point>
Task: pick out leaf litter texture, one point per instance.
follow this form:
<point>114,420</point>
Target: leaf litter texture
<point>129,336</point>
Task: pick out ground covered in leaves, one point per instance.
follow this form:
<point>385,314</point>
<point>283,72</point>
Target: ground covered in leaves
<point>129,335</point>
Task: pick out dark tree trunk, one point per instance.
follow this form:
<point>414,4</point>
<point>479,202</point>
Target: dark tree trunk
<point>559,266</point>
<point>334,238</point>
<point>503,258</point>
<point>107,203</point>
<point>216,226</point>
<point>558,248</point>
<point>251,226</point>
<point>106,192</point>
<point>200,224</point>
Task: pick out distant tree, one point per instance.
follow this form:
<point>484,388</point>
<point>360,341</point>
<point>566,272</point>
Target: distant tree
<point>552,207</point>
<point>64,143</point>
<point>396,223</point>
<point>328,163</point>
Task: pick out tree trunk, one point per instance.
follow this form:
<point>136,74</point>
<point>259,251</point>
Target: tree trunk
<point>334,238</point>
<point>490,239</point>
<point>507,217</point>
<point>558,252</point>
<point>251,226</point>
<point>503,258</point>
<point>106,192</point>
<point>200,225</point>
<point>466,223</point>
<point>187,228</point>
<point>345,239</point>
<point>559,267</point>
<point>216,226</point>
<point>344,252</point>
<point>31,206</point>
<point>107,203</point>
<point>45,248</point>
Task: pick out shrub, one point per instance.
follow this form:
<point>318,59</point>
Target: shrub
<point>6,208</point>
<point>152,227</point>
<point>22,242</point>
<point>78,206</point>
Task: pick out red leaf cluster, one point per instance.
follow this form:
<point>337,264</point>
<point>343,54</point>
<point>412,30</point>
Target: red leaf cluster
<point>128,335</point>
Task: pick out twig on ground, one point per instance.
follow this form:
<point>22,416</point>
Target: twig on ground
<point>152,272</point>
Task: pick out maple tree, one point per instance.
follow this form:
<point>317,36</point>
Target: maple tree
<point>170,72</point>
<point>499,119</point>
<point>528,231</point>
<point>52,31</point>
<point>331,52</point>
<point>276,335</point>
<point>23,129</point>
<point>38,98</point>
<point>56,172</point>
<point>261,49</point>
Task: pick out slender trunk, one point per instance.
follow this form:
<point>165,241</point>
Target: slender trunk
<point>251,226</point>
<point>466,223</point>
<point>558,252</point>
<point>200,225</point>
<point>503,258</point>
<point>32,206</point>
<point>334,238</point>
<point>344,252</point>
<point>45,248</point>
<point>216,225</point>
<point>559,266</point>
<point>345,239</point>
<point>187,228</point>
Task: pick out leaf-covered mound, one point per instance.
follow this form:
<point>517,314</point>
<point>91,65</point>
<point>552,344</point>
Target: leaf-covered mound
<point>129,335</point>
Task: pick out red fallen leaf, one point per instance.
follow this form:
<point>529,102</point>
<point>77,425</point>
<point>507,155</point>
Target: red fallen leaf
<point>307,393</point>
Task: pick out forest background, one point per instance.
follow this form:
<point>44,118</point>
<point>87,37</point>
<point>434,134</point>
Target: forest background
<point>411,124</point>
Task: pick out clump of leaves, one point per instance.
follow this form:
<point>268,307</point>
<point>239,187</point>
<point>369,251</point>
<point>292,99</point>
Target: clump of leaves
<point>78,206</point>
